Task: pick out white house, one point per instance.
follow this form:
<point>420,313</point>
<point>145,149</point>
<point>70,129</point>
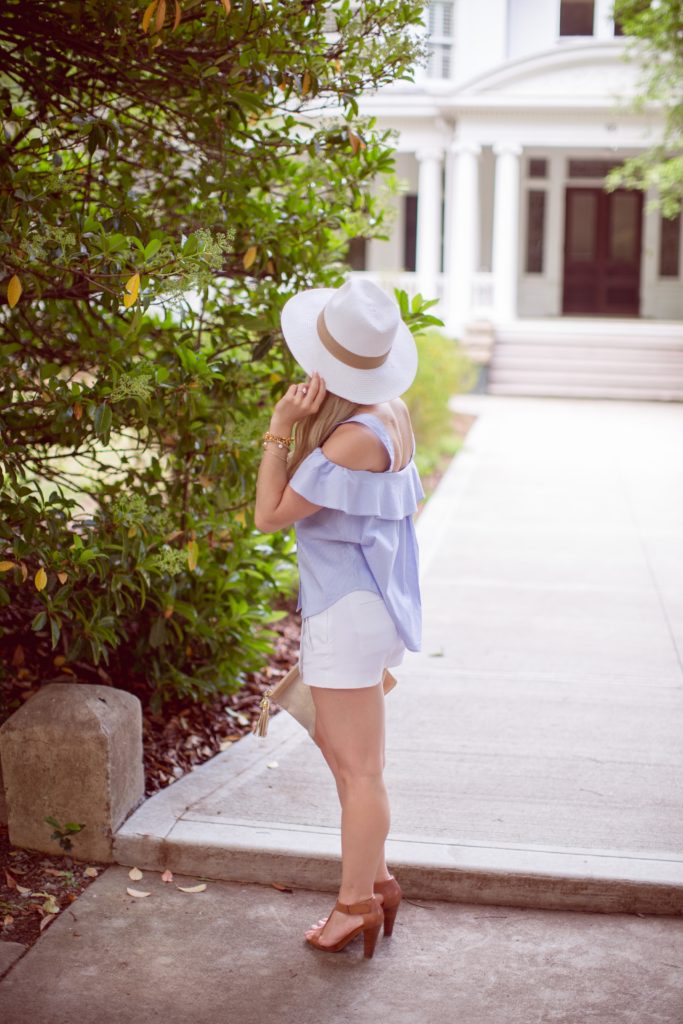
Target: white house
<point>504,142</point>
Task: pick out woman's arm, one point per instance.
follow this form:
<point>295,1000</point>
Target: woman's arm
<point>272,489</point>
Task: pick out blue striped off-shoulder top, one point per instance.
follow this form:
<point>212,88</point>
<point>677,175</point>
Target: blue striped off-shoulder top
<point>363,538</point>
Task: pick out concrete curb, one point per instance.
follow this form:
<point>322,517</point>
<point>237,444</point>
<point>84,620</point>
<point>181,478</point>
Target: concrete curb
<point>165,833</point>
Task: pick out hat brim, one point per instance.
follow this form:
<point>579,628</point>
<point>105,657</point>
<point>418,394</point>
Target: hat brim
<point>379,384</point>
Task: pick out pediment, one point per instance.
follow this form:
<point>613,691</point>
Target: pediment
<point>585,71</point>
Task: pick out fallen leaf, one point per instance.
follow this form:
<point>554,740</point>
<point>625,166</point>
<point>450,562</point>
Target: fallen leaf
<point>167,875</point>
<point>136,892</point>
<point>135,874</point>
<point>50,906</point>
<point>90,872</point>
<point>8,920</point>
<point>24,891</point>
<point>281,888</point>
<point>192,888</point>
<point>48,919</point>
<point>272,764</point>
<point>11,881</point>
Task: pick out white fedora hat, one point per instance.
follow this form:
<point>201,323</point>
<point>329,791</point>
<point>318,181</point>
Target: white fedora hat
<point>354,337</point>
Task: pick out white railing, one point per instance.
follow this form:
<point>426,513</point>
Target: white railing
<point>483,294</point>
<point>407,281</point>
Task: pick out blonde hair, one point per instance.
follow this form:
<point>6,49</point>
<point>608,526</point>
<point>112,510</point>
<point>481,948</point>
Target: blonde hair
<point>316,428</point>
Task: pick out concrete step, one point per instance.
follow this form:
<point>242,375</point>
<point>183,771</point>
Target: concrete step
<point>183,828</point>
<point>559,390</point>
<point>614,360</point>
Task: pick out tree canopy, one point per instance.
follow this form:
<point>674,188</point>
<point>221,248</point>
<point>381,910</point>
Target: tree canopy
<point>656,28</point>
<point>170,175</point>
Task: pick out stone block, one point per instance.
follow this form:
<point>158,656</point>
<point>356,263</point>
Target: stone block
<point>72,752</point>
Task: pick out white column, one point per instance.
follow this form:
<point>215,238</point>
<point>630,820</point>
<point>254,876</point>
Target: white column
<point>603,21</point>
<point>462,213</point>
<point>428,220</point>
<point>554,232</point>
<point>506,229</point>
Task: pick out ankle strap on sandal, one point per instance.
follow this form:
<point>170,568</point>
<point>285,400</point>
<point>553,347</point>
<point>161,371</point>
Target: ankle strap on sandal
<point>360,907</point>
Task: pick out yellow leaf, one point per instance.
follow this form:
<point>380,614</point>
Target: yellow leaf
<point>305,83</point>
<point>249,256</point>
<point>62,577</point>
<point>226,4</point>
<point>132,290</point>
<point>241,517</point>
<point>14,290</point>
<point>178,15</point>
<point>132,530</point>
<point>50,906</point>
<point>135,874</point>
<point>161,15</point>
<point>192,554</point>
<point>4,566</point>
<point>78,410</point>
<point>147,16</point>
<point>192,888</point>
<point>136,892</point>
<point>40,579</point>
<point>24,572</point>
<point>59,661</point>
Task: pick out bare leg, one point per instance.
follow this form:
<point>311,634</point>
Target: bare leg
<point>352,724</point>
<point>382,872</point>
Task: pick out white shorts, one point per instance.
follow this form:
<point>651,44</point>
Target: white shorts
<point>350,643</point>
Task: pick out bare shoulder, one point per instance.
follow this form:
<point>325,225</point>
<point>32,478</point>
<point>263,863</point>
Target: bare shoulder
<point>355,446</point>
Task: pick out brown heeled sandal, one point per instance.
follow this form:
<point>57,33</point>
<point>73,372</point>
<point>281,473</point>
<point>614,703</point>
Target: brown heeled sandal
<point>391,894</point>
<point>373,915</point>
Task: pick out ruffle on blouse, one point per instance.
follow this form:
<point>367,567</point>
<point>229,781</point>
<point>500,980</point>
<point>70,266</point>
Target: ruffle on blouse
<point>360,492</point>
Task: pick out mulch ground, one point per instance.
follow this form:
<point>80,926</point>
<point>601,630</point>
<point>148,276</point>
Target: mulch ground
<point>36,887</point>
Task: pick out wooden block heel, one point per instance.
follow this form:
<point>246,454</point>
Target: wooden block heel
<point>391,894</point>
<point>373,915</point>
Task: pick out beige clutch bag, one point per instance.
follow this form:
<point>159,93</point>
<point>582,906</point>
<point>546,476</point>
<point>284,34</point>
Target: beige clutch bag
<point>294,696</point>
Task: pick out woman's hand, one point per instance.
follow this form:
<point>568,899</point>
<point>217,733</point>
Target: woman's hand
<point>298,402</point>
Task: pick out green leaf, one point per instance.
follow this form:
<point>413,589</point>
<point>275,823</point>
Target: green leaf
<point>152,248</point>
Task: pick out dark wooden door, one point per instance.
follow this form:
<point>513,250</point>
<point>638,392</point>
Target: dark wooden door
<point>602,249</point>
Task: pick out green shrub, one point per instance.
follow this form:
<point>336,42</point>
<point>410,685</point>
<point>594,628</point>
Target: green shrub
<point>164,191</point>
<point>444,370</point>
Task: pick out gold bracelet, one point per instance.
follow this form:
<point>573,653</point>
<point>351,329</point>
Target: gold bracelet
<point>267,448</point>
<point>282,441</point>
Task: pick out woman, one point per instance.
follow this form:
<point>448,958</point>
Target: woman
<point>350,489</point>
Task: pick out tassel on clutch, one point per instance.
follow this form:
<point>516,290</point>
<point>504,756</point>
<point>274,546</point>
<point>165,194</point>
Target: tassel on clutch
<point>294,696</point>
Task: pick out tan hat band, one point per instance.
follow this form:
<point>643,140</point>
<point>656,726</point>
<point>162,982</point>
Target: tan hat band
<point>343,354</point>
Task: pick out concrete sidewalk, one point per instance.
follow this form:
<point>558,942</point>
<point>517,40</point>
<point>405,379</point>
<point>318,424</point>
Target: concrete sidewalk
<point>534,753</point>
<point>236,953</point>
